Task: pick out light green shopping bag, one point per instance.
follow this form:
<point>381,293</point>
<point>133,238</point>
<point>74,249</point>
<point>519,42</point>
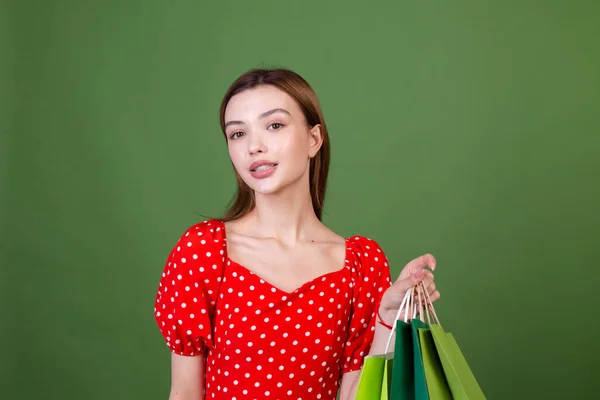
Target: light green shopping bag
<point>437,386</point>
<point>374,378</point>
<point>387,379</point>
<point>461,380</point>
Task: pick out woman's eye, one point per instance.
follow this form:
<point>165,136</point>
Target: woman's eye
<point>236,135</point>
<point>276,125</point>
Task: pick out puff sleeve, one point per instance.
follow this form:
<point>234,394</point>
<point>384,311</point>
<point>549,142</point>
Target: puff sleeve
<point>188,289</point>
<point>371,279</point>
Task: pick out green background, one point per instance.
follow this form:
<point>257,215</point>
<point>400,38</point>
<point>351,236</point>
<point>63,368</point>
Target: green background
<point>468,129</point>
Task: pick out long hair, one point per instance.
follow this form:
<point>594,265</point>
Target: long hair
<point>295,86</point>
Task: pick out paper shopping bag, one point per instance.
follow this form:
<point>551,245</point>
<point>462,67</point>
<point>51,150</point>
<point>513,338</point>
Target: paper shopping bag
<point>403,383</point>
<point>437,386</point>
<point>461,380</point>
<point>373,383</point>
<point>387,379</point>
<point>420,383</point>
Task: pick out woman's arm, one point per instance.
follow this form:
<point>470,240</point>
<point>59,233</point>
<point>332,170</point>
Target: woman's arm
<point>187,377</point>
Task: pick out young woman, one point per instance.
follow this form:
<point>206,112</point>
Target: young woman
<point>267,302</point>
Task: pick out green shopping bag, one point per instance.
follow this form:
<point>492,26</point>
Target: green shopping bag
<point>408,375</point>
<point>461,380</point>
<point>437,386</point>
<point>421,392</point>
<point>373,381</point>
<point>403,384</point>
<point>459,377</point>
<point>387,379</point>
<point>377,372</point>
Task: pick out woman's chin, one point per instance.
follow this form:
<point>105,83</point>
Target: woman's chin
<point>267,187</point>
<point>265,190</point>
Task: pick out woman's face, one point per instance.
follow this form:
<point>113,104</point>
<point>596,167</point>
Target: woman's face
<point>269,141</point>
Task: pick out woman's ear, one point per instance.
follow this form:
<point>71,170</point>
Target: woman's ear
<point>315,140</point>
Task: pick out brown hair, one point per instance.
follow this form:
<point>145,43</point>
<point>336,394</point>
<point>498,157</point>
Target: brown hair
<point>295,86</point>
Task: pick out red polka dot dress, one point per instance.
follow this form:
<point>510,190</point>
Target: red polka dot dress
<point>261,342</point>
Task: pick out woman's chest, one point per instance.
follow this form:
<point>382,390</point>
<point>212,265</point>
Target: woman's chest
<point>256,322</point>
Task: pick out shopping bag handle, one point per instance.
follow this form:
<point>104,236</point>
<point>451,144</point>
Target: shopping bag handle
<point>403,306</point>
<point>426,309</point>
<point>429,308</point>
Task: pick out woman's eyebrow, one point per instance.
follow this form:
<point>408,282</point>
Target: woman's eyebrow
<point>273,111</point>
<point>261,116</point>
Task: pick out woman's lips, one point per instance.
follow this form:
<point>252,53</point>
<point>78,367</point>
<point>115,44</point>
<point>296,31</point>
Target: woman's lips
<point>262,169</point>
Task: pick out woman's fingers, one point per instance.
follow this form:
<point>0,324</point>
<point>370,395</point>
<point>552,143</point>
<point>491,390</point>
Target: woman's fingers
<point>430,287</point>
<point>435,296</point>
<point>418,264</point>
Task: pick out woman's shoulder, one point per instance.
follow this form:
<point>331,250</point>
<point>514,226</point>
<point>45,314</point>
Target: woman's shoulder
<point>204,230</point>
<point>364,243</point>
<point>367,255</point>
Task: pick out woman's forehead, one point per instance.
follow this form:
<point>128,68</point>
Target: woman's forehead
<point>252,103</point>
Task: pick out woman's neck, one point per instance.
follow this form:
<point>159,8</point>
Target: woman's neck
<point>288,216</point>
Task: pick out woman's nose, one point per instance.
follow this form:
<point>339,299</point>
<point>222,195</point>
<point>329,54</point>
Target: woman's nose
<point>257,144</point>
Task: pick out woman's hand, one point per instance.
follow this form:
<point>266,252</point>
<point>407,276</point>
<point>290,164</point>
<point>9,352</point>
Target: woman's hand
<point>413,273</point>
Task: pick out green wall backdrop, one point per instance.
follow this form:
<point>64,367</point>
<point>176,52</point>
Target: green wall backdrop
<point>469,129</point>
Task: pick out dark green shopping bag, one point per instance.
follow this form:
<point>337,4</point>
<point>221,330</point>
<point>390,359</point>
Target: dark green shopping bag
<point>377,373</point>
<point>408,375</point>
<point>403,375</point>
<point>421,392</point>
